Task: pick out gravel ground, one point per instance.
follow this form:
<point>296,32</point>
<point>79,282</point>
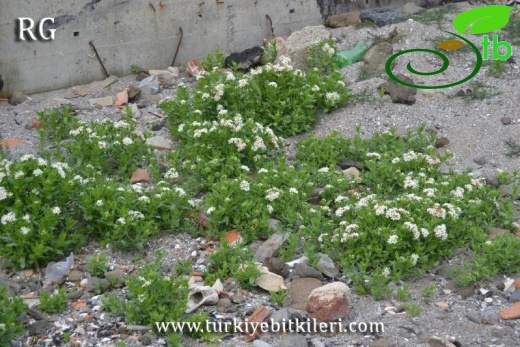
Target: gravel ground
<point>475,131</point>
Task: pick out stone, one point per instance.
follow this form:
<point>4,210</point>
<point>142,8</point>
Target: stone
<point>273,224</point>
<point>474,317</point>
<point>315,197</point>
<point>270,247</point>
<point>246,59</point>
<point>193,68</point>
<point>11,143</point>
<point>140,175</point>
<point>495,232</point>
<point>299,291</point>
<point>352,174</point>
<point>375,58</point>
<point>326,266</point>
<point>412,9</point>
<point>298,43</point>
<point>39,328</point>
<point>149,86</point>
<point>133,92</point>
<point>270,282</point>
<point>104,101</point>
<point>75,275</point>
<point>166,75</point>
<point>380,343</point>
<point>17,98</point>
<point>116,277</point>
<point>224,304</point>
<point>300,260</point>
<point>136,113</point>
<point>441,142</point>
<point>490,175</point>
<point>218,286</point>
<point>316,342</point>
<point>280,316</point>
<point>304,270</point>
<point>466,292</point>
<point>329,302</point>
<point>516,283</point>
<point>260,343</point>
<point>382,16</point>
<point>512,312</point>
<point>293,340</point>
<point>343,20</point>
<point>98,285</point>
<point>399,93</point>
<point>346,163</point>
<point>277,266</point>
<point>159,142</point>
<point>480,161</point>
<point>201,295</point>
<point>506,120</point>
<point>121,99</point>
<point>515,297</point>
<point>435,341</point>
<point>442,305</point>
<point>174,70</point>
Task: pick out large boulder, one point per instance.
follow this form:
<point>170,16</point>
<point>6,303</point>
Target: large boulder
<point>329,302</point>
<point>375,58</point>
<point>382,16</point>
<point>246,59</point>
<point>298,43</point>
<point>343,20</point>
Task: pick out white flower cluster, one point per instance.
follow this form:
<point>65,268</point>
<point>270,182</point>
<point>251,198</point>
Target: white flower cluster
<point>8,218</point>
<point>392,240</point>
<point>219,91</point>
<point>332,96</point>
<point>4,194</point>
<point>393,213</point>
<point>437,211</point>
<point>328,49</point>
<point>341,210</point>
<point>374,155</point>
<point>413,228</point>
<point>410,182</point>
<point>440,232</point>
<point>171,174</point>
<point>272,194</point>
<point>244,185</point>
<point>135,214</point>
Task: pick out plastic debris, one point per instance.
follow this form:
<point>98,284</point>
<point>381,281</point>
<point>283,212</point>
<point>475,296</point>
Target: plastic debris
<point>56,271</point>
<point>350,56</point>
<point>150,85</point>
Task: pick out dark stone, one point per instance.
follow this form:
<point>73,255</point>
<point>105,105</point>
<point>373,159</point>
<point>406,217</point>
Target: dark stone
<point>1,83</point>
<point>247,59</point>
<point>277,266</point>
<point>400,94</point>
<point>133,93</point>
<point>40,328</point>
<point>304,270</point>
<point>17,98</point>
<point>441,142</point>
<point>515,297</point>
<point>346,163</point>
<point>382,16</point>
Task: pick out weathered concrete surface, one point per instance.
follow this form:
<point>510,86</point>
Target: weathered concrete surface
<point>144,33</point>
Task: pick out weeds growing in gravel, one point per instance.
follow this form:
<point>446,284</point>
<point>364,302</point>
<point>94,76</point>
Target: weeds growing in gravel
<point>97,264</point>
<point>53,303</point>
<point>11,311</point>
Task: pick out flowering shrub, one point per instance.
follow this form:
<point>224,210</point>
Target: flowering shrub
<point>35,211</point>
<point>111,147</point>
<point>275,95</point>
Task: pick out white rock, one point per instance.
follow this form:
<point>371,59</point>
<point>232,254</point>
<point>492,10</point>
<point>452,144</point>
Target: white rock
<point>218,286</point>
<point>270,282</point>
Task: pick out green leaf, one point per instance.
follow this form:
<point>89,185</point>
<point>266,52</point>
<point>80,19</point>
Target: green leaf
<point>483,19</point>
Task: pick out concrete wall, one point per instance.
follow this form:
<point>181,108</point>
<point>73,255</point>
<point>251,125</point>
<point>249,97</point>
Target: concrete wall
<point>144,33</point>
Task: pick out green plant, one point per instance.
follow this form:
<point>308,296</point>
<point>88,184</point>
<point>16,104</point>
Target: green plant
<point>258,96</point>
<point>413,309</point>
<point>512,30</point>
<point>435,15</point>
<point>232,261</point>
<point>11,310</point>
<point>113,305</point>
<point>479,91</point>
<point>183,267</point>
<point>496,69</point>
<point>403,293</point>
<point>36,197</point>
<point>278,297</point>
<point>213,61</point>
<point>514,148</point>
<point>56,124</point>
<point>428,290</point>
<point>270,52</point>
<point>97,264</point>
<point>55,303</point>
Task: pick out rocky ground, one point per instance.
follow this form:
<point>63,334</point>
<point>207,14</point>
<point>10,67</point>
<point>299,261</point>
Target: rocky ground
<point>475,129</point>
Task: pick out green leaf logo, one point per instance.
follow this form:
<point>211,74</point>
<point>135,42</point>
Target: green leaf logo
<point>483,19</point>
